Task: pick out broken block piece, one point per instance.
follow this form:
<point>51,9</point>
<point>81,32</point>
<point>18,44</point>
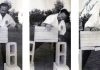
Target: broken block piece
<point>60,67</point>
<point>6,67</point>
<point>11,54</point>
<point>61,53</point>
<point>32,67</point>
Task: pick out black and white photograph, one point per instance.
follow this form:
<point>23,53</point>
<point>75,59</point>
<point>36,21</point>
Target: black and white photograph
<point>89,34</point>
<point>10,35</point>
<point>50,34</point>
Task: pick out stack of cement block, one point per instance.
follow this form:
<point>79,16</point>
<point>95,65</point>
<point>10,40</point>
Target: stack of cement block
<point>11,57</point>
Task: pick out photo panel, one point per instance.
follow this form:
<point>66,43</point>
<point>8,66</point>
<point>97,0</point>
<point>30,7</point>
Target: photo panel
<point>50,34</point>
<point>89,34</point>
<point>10,35</point>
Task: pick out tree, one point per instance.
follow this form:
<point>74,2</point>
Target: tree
<point>37,16</point>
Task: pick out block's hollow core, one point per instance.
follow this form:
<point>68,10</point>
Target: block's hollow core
<point>31,47</point>
<point>62,49</point>
<point>62,59</point>
<point>12,60</point>
<point>12,49</point>
<point>30,58</point>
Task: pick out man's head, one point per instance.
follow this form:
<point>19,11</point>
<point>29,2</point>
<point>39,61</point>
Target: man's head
<point>63,15</point>
<point>4,7</point>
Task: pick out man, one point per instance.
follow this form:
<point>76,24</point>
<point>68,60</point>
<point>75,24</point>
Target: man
<point>65,32</point>
<point>93,24</point>
<point>6,21</point>
<point>61,21</point>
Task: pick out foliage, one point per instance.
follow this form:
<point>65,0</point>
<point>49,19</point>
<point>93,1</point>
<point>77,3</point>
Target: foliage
<point>14,15</point>
<point>39,16</point>
<point>36,16</point>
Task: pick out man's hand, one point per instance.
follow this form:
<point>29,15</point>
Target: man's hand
<point>91,29</point>
<point>95,29</point>
<point>49,27</point>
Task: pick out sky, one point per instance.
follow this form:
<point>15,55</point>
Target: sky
<point>16,4</point>
<point>48,4</point>
<point>39,4</point>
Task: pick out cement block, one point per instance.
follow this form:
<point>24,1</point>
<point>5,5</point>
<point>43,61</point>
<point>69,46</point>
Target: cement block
<point>89,38</point>
<point>43,35</point>
<point>60,67</point>
<point>61,53</point>
<point>11,54</point>
<point>32,51</point>
<point>3,35</point>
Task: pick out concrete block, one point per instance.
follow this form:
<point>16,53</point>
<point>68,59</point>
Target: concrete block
<point>60,67</point>
<point>61,53</point>
<point>11,54</point>
<point>43,35</point>
<point>6,67</point>
<point>89,38</point>
<point>3,35</point>
<point>32,51</point>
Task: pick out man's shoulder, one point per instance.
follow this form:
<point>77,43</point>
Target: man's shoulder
<point>53,15</point>
<point>8,15</point>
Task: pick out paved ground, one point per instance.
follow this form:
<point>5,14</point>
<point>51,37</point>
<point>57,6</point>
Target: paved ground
<point>15,35</point>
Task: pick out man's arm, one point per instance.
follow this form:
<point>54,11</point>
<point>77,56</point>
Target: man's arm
<point>12,23</point>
